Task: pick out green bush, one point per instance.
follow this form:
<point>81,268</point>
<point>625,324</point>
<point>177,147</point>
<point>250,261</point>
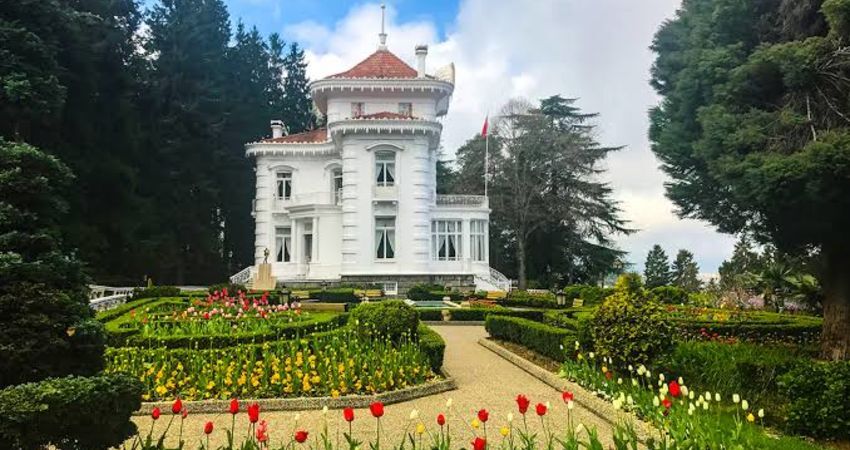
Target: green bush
<point>630,327</point>
<point>546,340</point>
<point>156,291</point>
<point>592,295</point>
<point>753,371</point>
<point>819,394</point>
<point>391,318</point>
<point>335,295</point>
<point>670,295</point>
<point>530,300</point>
<point>118,311</point>
<point>430,314</point>
<point>433,345</point>
<point>432,292</point>
<point>750,326</point>
<point>69,413</point>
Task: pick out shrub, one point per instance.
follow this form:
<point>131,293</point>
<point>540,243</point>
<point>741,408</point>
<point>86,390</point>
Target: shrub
<point>818,394</point>
<point>592,295</point>
<point>69,413</point>
<point>391,318</point>
<point>432,292</point>
<point>546,340</point>
<point>480,314</point>
<point>528,299</point>
<point>433,345</point>
<point>156,291</point>
<point>669,295</point>
<point>430,314</point>
<point>630,327</point>
<point>335,295</point>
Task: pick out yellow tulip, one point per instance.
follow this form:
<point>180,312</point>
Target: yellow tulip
<point>751,418</point>
<point>504,431</point>
<point>420,428</point>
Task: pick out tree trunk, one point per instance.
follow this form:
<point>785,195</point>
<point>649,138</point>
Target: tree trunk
<point>835,336</point>
<point>520,257</point>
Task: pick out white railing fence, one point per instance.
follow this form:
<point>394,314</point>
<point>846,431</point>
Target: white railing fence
<point>243,276</point>
<point>102,297</point>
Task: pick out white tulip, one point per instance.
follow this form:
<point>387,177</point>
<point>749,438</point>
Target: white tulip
<point>655,401</point>
<point>736,398</point>
<point>570,405</point>
<point>510,417</point>
<point>761,414</point>
<point>717,396</point>
<point>414,414</point>
<point>449,403</point>
<point>325,410</point>
<point>745,405</point>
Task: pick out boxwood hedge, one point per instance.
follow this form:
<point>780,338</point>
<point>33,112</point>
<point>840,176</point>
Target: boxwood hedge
<point>544,339</point>
<point>433,345</point>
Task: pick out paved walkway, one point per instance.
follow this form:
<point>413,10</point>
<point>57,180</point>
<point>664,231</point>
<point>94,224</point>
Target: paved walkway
<point>484,380</point>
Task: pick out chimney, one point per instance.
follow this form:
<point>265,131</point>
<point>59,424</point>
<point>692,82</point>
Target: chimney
<point>277,128</point>
<point>421,52</point>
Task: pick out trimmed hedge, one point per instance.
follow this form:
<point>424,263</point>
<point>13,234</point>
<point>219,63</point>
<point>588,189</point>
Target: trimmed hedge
<point>129,337</point>
<point>390,318</point>
<point>69,413</point>
<point>764,327</point>
<point>335,295</point>
<point>476,314</point>
<point>527,299</point>
<point>433,345</point>
<point>819,394</point>
<point>546,340</point>
<point>118,311</point>
<point>156,291</point>
<point>592,295</point>
<point>432,292</point>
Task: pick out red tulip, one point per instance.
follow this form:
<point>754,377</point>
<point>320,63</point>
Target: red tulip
<point>479,444</point>
<point>441,419</point>
<point>675,389</point>
<point>348,414</point>
<point>156,413</point>
<point>184,413</point>
<point>540,409</point>
<point>377,409</point>
<point>522,403</point>
<point>567,396</point>
<point>667,403</point>
<point>263,432</point>
<point>234,406</point>
<point>301,436</point>
<point>609,375</point>
<point>483,415</point>
<point>208,428</point>
<point>254,413</point>
<point>177,406</point>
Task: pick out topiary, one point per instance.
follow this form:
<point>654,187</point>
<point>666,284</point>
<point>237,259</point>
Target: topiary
<point>630,327</point>
<point>391,318</point>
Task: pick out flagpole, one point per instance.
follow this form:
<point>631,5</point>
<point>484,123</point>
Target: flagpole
<point>486,160</point>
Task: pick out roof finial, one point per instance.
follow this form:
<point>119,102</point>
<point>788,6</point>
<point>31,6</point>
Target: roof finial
<point>383,36</point>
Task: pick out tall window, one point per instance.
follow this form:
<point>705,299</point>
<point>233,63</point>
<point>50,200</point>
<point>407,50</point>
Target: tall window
<point>357,109</point>
<point>283,244</point>
<point>446,238</point>
<point>284,185</point>
<point>405,109</point>
<point>385,237</point>
<point>337,186</point>
<point>477,235</point>
<point>385,168</point>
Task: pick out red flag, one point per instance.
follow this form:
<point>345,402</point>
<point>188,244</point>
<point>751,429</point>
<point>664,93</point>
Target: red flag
<point>484,128</point>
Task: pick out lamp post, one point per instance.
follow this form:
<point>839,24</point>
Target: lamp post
<point>561,297</point>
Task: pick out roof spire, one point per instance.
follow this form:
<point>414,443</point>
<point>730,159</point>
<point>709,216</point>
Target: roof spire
<point>382,37</point>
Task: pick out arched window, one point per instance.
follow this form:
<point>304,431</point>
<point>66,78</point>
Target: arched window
<point>385,168</point>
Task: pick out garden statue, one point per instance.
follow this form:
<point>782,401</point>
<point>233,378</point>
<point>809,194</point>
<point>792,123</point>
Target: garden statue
<point>263,280</point>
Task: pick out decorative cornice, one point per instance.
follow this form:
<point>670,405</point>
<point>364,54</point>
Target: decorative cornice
<point>380,84</point>
<point>405,126</point>
<point>323,149</point>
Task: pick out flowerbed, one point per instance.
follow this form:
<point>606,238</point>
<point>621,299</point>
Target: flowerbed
<point>685,418</point>
<point>330,364</point>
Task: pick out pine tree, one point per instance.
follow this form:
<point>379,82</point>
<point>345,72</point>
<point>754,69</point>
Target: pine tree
<point>298,107</point>
<point>685,271</point>
<point>657,268</point>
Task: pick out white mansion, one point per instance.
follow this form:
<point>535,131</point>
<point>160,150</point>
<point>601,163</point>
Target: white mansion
<point>356,201</point>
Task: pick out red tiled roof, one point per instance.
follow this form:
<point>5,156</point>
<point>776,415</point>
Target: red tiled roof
<point>381,64</point>
<point>316,136</point>
<point>385,115</point>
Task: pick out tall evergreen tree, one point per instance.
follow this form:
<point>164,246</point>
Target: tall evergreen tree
<point>548,177</point>
<point>298,109</point>
<point>656,270</point>
<point>685,271</point>
<point>754,130</point>
<point>188,89</point>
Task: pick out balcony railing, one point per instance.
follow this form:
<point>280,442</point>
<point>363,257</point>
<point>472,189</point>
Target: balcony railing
<point>309,198</point>
<point>461,200</point>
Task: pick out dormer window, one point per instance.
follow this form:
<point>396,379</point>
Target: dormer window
<point>284,185</point>
<point>385,168</point>
<point>405,109</point>
<point>358,109</point>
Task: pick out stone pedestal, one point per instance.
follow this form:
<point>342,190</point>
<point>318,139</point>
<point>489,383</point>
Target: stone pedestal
<point>264,281</point>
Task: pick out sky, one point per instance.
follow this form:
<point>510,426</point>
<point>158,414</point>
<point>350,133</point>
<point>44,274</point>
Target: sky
<point>593,50</point>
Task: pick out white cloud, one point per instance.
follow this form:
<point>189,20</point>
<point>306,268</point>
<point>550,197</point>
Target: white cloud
<point>597,51</point>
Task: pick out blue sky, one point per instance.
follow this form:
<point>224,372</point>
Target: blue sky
<point>593,50</point>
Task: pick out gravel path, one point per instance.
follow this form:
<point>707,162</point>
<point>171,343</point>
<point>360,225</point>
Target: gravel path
<point>484,380</point>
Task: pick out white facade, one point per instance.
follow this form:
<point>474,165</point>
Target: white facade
<point>358,198</point>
